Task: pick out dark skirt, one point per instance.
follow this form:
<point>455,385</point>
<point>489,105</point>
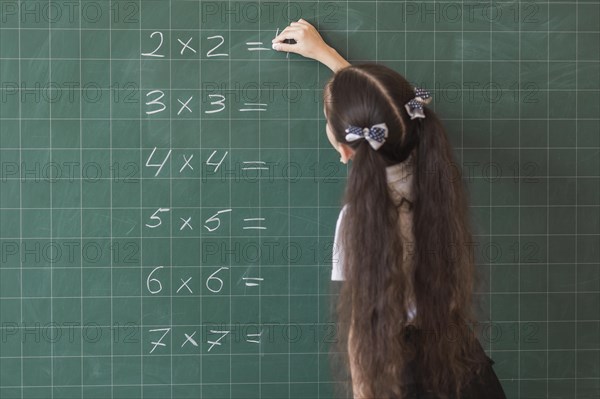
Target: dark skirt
<point>484,385</point>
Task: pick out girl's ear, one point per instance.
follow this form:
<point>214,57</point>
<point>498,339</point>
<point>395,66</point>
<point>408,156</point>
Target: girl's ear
<point>346,152</point>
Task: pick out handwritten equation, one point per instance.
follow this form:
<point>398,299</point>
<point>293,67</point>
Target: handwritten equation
<point>156,104</point>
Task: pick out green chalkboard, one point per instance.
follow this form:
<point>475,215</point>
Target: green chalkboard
<point>168,195</point>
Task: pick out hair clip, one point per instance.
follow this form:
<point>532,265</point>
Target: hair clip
<point>375,135</point>
<point>415,106</point>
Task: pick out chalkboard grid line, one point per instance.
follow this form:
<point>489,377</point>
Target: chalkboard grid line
<point>547,206</point>
<point>141,209</point>
<point>170,194</point>
<point>51,213</point>
<point>200,247</point>
<point>20,205</point>
<point>490,155</point>
<point>311,207</point>
<point>238,90</point>
<point>12,328</point>
<point>189,29</point>
<point>81,206</point>
<point>171,173</point>
<point>277,383</point>
<point>289,222</point>
<point>149,149</point>
<point>393,1</point>
<point>259,209</point>
<point>519,214</point>
<point>247,60</point>
<point>318,113</point>
<point>315,119</point>
<point>229,206</point>
<point>110,113</point>
<point>356,60</point>
<point>175,384</point>
<point>576,173</point>
<point>490,127</point>
<point>307,324</point>
<point>325,180</point>
<point>8,149</point>
<point>299,295</point>
<point>322,236</point>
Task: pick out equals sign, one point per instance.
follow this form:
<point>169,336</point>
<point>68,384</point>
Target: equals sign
<point>254,227</point>
<point>256,107</point>
<point>255,341</point>
<point>256,48</point>
<point>254,167</point>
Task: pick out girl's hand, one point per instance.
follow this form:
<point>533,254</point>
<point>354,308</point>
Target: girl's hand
<point>309,44</point>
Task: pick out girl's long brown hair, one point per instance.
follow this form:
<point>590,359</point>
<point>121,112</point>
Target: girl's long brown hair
<point>374,299</point>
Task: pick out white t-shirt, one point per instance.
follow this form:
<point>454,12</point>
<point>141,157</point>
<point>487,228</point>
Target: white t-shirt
<point>399,178</point>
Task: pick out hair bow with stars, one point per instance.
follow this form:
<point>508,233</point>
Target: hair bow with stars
<point>375,135</point>
<point>415,106</point>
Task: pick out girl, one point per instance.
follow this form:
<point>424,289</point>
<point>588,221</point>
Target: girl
<point>402,238</point>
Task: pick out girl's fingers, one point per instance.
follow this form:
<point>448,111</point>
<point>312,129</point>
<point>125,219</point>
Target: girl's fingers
<point>290,48</point>
<point>303,22</point>
<point>287,33</point>
<point>298,31</point>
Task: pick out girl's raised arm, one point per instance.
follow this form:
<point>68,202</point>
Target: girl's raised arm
<point>310,44</point>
